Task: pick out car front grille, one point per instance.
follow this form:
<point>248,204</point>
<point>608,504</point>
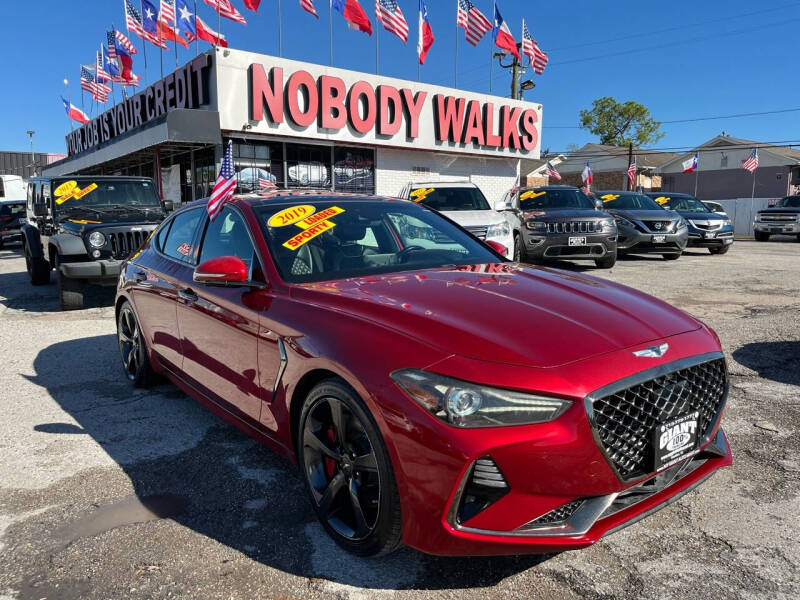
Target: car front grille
<point>478,232</point>
<point>658,226</point>
<point>624,421</point>
<point>707,226</point>
<point>573,227</point>
<point>778,217</point>
<point>125,243</point>
<point>558,515</point>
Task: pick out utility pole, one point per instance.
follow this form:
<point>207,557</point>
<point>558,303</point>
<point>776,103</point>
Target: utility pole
<point>33,156</point>
<point>517,70</point>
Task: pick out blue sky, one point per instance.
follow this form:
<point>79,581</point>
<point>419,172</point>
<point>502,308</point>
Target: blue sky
<point>681,59</point>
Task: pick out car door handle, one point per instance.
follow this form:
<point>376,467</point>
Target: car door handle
<point>187,295</point>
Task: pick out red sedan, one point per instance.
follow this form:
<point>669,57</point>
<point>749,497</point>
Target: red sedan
<point>433,393</point>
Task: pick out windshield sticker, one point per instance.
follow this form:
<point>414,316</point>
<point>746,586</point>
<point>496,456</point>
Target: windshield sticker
<point>70,189</point>
<point>185,249</point>
<point>84,221</point>
<point>309,234</point>
<point>420,194</point>
<point>662,199</point>
<point>531,194</point>
<point>288,216</point>
<point>609,197</point>
<point>322,215</point>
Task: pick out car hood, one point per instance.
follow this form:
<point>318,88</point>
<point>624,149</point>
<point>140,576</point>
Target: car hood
<point>706,216</point>
<point>644,215</point>
<point>776,209</point>
<point>507,313</point>
<point>560,214</point>
<point>470,218</point>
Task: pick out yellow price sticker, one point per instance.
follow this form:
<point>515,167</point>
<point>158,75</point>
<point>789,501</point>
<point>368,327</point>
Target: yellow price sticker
<point>70,189</point>
<point>294,243</point>
<point>66,188</point>
<point>662,199</point>
<point>84,222</point>
<point>420,194</point>
<point>289,216</point>
<point>322,215</point>
<point>609,197</point>
<point>531,194</point>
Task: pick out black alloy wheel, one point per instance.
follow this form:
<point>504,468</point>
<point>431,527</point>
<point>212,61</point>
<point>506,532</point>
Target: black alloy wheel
<point>347,471</point>
<point>132,348</point>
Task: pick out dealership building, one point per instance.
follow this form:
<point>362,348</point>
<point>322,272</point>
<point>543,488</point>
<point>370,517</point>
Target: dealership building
<point>304,125</point>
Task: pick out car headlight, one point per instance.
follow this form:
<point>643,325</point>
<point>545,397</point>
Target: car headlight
<point>464,404</point>
<point>623,222</point>
<point>499,230</point>
<point>608,224</point>
<point>97,239</point>
<point>681,224</point>
<point>536,225</point>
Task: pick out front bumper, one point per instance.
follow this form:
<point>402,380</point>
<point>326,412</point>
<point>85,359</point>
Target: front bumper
<point>638,242</point>
<point>547,466</point>
<point>778,227</point>
<point>12,235</point>
<point>99,270</point>
<point>541,245</point>
<point>701,238</point>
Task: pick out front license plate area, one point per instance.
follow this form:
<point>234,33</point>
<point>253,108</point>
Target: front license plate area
<point>659,239</point>
<point>675,440</point>
<point>577,241</point>
<point>710,235</point>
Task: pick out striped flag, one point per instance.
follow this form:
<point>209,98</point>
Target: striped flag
<point>133,19</point>
<point>102,74</point>
<point>587,177</point>
<point>474,22</point>
<point>99,91</point>
<point>112,46</point>
<point>388,12</point>
<point>308,6</point>
<point>551,171</point>
<point>632,171</point>
<point>166,12</point>
<point>75,113</point>
<point>751,164</point>
<point>125,42</point>
<point>265,184</point>
<point>226,9</point>
<point>531,49</point>
<point>224,186</point>
<point>205,33</point>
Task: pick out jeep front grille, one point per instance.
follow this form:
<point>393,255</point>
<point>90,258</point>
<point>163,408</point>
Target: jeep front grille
<point>573,227</point>
<point>125,243</point>
<point>624,421</point>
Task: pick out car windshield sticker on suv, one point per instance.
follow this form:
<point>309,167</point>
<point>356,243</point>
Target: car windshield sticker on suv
<point>531,194</point>
<point>291,215</point>
<point>306,218</point>
<point>70,189</point>
<point>420,194</point>
<point>662,199</point>
<point>609,197</point>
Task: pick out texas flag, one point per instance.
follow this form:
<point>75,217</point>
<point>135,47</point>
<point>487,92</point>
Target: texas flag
<point>690,166</point>
<point>204,32</point>
<point>354,15</point>
<point>425,40</point>
<point>502,35</point>
<point>586,176</point>
<point>75,113</point>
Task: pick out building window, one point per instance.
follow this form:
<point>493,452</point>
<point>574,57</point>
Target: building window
<point>354,170</point>
<point>257,162</point>
<point>723,161</point>
<point>308,166</point>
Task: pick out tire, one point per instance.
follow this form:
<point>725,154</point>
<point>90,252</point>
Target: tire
<point>671,256</point>
<point>761,236</point>
<point>2,244</point>
<point>720,249</point>
<point>518,250</point>
<point>38,268</point>
<point>608,261</point>
<point>70,292</point>
<point>133,352</point>
<point>350,478</point>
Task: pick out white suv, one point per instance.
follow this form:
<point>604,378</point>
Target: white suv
<point>465,204</point>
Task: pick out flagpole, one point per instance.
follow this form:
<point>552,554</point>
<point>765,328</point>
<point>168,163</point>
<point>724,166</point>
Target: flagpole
<point>696,177</point>
<point>280,31</point>
<point>455,73</point>
<point>69,100</point>
<point>491,46</point>
<point>330,25</point>
<point>377,35</point>
<point>219,26</point>
<point>753,193</point>
<point>196,39</point>
<point>176,31</point>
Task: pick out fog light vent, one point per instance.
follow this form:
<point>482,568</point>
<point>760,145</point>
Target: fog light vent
<point>488,474</point>
<point>557,515</point>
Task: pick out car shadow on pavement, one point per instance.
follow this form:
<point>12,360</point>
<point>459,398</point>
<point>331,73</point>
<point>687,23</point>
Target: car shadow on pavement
<point>232,489</point>
<point>44,298</point>
<point>778,361</point>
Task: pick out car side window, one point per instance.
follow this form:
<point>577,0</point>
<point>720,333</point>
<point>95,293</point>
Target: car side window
<point>2,189</point>
<point>179,239</point>
<point>228,235</point>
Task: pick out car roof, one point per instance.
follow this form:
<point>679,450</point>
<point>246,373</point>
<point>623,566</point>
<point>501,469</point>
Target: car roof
<point>620,192</point>
<point>93,177</point>
<point>548,187</point>
<point>444,184</point>
<point>670,194</point>
<point>284,196</point>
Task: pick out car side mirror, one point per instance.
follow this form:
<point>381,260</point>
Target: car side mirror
<point>40,209</point>
<point>169,206</point>
<point>503,205</point>
<point>598,204</point>
<point>223,270</point>
<point>497,247</point>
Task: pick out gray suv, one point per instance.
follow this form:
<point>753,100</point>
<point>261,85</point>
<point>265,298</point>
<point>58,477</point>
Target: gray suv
<point>561,222</point>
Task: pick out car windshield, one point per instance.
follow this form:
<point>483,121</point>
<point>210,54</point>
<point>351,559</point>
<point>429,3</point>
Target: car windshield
<point>321,239</point>
<point>538,199</point>
<point>789,202</point>
<point>450,198</point>
<point>627,201</point>
<point>102,195</point>
<point>683,204</point>
<point>14,210</point>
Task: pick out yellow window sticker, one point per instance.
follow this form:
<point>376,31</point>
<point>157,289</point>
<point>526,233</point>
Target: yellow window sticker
<point>322,215</point>
<point>420,194</point>
<point>609,197</point>
<point>288,216</point>
<point>531,194</point>
<point>66,188</point>
<point>294,243</point>
<point>70,189</point>
<point>84,221</point>
<point>662,199</point>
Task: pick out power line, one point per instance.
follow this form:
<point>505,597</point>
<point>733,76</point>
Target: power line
<point>623,151</point>
<point>696,119</point>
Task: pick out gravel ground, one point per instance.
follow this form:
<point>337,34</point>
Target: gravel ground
<point>109,492</point>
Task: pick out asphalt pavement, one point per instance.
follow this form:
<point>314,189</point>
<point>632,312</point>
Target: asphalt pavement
<point>111,492</point>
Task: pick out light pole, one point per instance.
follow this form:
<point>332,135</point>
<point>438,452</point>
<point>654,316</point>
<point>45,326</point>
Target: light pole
<point>33,155</point>
<point>69,100</point>
<point>517,69</point>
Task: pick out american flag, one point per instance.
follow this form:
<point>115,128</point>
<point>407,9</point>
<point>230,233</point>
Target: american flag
<point>224,186</point>
<point>265,184</point>
<point>531,49</point>
<point>125,42</point>
<point>389,13</point>
<point>226,9</point>
<point>632,171</point>
<point>166,12</point>
<point>112,46</point>
<point>473,21</point>
<point>133,19</point>
<point>308,6</point>
<point>99,91</point>
<point>102,74</point>
<point>551,171</point>
<point>751,164</point>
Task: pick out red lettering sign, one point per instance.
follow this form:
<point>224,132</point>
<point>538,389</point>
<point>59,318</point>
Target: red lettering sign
<point>332,93</point>
<point>390,110</point>
<point>304,80</point>
<point>362,94</point>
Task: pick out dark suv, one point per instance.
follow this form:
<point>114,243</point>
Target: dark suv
<point>561,222</point>
<point>84,227</point>
<point>12,217</point>
<point>707,229</point>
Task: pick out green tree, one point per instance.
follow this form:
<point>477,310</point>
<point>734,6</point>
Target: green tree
<point>621,123</point>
